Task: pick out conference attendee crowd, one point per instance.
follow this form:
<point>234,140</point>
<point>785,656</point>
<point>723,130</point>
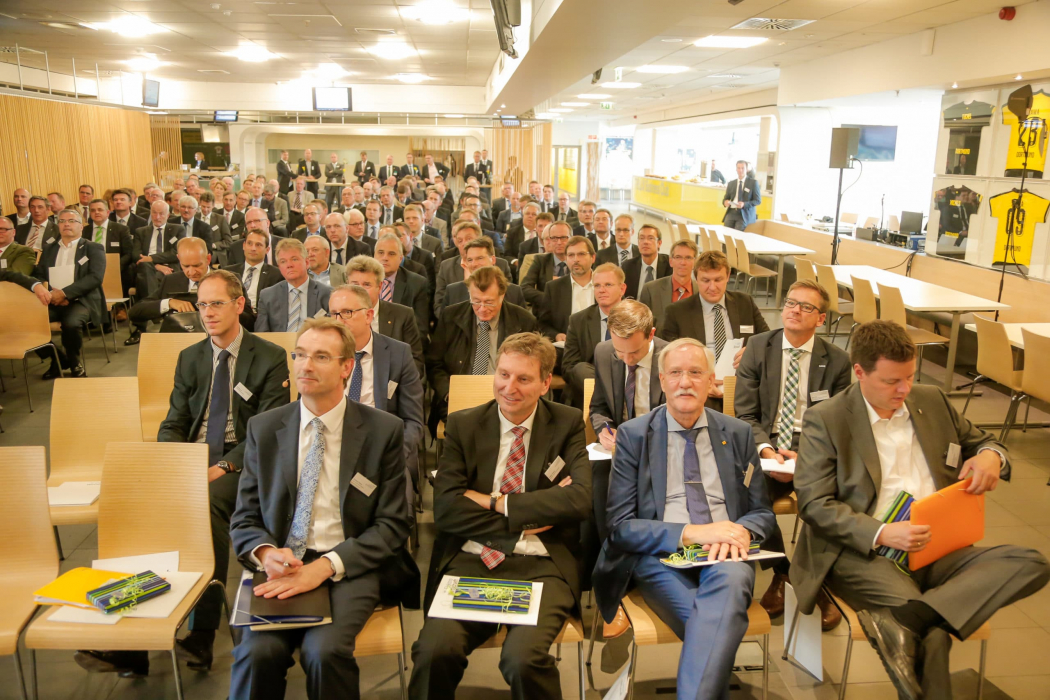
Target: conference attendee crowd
<point>576,324</point>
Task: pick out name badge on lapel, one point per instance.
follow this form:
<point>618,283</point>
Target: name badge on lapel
<point>243,391</point>
<point>821,395</point>
<point>747,329</point>
<point>747,189</point>
<point>953,456</point>
<point>215,227</point>
<point>3,264</point>
<point>173,240</point>
<point>391,388</point>
<point>114,244</point>
<point>362,484</point>
<point>748,474</point>
<point>83,260</point>
<point>555,468</point>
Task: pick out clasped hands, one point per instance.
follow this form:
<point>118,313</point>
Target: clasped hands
<point>483,500</point>
<point>287,575</point>
<point>723,540</point>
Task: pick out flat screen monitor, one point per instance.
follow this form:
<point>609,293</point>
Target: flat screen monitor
<point>510,122</point>
<point>911,221</point>
<point>877,143</point>
<point>225,115</point>
<point>332,99</point>
<point>151,93</point>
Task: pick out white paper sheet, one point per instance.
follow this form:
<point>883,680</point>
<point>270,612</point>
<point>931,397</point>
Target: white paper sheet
<point>762,554</point>
<point>618,690</point>
<point>442,607</point>
<point>156,608</point>
<point>559,344</point>
<point>74,493</point>
<point>806,647</point>
<point>61,276</point>
<point>771,465</point>
<point>724,365</point>
<point>159,563</point>
<point>597,452</point>
<point>86,616</point>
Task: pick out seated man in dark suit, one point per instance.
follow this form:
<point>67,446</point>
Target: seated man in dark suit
<point>254,273</point>
<point>287,305</point>
<point>154,252</point>
<point>79,298</point>
<point>384,376</point>
<point>570,293</point>
<point>469,334</point>
<point>346,534</point>
<point>477,253</point>
<point>122,201</point>
<point>520,449</point>
<point>537,244</point>
<point>450,270</point>
<point>352,237</point>
<point>189,224</point>
<point>851,469</point>
<point>312,218</point>
<point>389,319</point>
<point>781,374</point>
<point>520,231</point>
<point>399,285</point>
<point>719,319</point>
<point>621,249</point>
<point>597,228</point>
<point>649,265</point>
<point>194,263</point>
<point>114,238</point>
<point>588,328</point>
<point>547,266</point>
<point>681,478</point>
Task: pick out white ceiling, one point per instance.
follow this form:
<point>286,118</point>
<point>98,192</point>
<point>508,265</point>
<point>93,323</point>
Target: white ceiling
<point>304,34</point>
<point>840,25</point>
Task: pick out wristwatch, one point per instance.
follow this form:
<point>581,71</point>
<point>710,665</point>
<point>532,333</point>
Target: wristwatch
<point>493,497</point>
<point>227,467</point>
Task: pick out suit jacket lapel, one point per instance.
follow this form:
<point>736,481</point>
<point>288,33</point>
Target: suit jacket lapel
<point>695,312</point>
<point>657,439</point>
<point>818,365</point>
<point>486,449</point>
<point>243,366</point>
<point>860,429</point>
<point>726,468</point>
<point>536,462</point>
<point>770,388</point>
<point>733,313</point>
<point>619,370</point>
<point>380,372</point>
<point>353,440</point>
<point>288,439</point>
<point>594,329</point>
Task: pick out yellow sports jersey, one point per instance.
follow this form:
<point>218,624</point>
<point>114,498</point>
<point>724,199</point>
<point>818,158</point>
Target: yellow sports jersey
<point>1033,211</point>
<point>1031,133</point>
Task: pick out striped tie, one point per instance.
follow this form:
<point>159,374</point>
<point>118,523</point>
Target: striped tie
<point>386,292</point>
<point>679,294</point>
<point>623,257</point>
<point>513,477</point>
<point>98,234</point>
<point>304,498</point>
<point>295,312</point>
<point>481,352</point>
<point>786,423</point>
<point>720,331</point>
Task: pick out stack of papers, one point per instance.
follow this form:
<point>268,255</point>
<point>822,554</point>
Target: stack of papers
<point>771,465</point>
<point>597,452</point>
<point>74,493</point>
<point>71,588</point>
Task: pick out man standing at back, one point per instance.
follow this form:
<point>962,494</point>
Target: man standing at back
<point>742,196</point>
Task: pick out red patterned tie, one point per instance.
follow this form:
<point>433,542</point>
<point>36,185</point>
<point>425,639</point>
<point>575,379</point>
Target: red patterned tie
<point>679,294</point>
<point>511,482</point>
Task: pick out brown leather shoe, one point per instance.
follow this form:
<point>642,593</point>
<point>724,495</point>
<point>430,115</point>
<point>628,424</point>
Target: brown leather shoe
<point>618,626</point>
<point>773,598</point>
<point>122,315</point>
<point>830,617</point>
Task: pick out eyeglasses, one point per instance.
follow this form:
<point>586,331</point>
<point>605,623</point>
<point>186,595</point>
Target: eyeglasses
<point>345,315</point>
<point>318,359</point>
<point>608,285</point>
<point>806,308</point>
<point>676,375</point>
<point>557,238</point>
<point>203,306</point>
<point>680,258</point>
<point>623,230</point>
<point>484,304</point>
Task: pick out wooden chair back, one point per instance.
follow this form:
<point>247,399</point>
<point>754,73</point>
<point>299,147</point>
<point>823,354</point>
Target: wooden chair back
<point>467,391</point>
<point>588,392</point>
<point>1036,380</point>
<point>865,308</point>
<point>704,244</point>
<point>804,270</point>
<point>848,218</point>
<point>729,396</point>
<point>683,233</point>
<point>526,263</point>
<point>287,341</point>
<point>731,253</point>
<point>871,222</point>
<point>894,223</point>
<point>111,287</point>
<point>155,499</point>
<point>826,279</point>
<point>86,415</point>
<point>784,217</point>
<point>24,324</point>
<point>995,355</point>
<point>891,306</point>
<point>742,256</point>
<point>158,355</point>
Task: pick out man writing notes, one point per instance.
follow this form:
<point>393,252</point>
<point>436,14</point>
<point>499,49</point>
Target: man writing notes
<point>742,196</point>
<point>782,373</point>
<point>511,489</point>
<point>681,477</point>
<point>859,451</point>
<point>321,502</point>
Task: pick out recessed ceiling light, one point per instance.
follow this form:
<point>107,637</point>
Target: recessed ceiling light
<point>955,85</point>
<point>435,12</point>
<point>328,71</point>
<point>252,53</point>
<point>503,106</point>
<point>143,64</point>
<point>724,75</point>
<point>453,116</point>
<point>62,25</point>
<point>391,50</point>
<point>559,110</point>
<point>411,78</point>
<point>729,42</point>
<point>1018,77</point>
<point>546,115</point>
<point>575,104</point>
<point>621,85</point>
<point>662,69</point>
<point>129,26</point>
<point>671,41</point>
<point>594,96</point>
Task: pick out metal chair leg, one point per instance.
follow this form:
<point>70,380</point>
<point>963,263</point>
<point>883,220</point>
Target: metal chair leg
<point>791,633</point>
<point>58,542</point>
<point>980,678</point>
<point>25,374</point>
<point>765,667</point>
<point>178,674</point>
<point>403,656</point>
<point>579,670</point>
<point>401,675</point>
<point>1024,429</point>
<point>973,384</point>
<point>798,526</point>
<point>594,635</point>
<point>32,676</point>
<point>1011,417</point>
<point>18,674</point>
<point>845,668</point>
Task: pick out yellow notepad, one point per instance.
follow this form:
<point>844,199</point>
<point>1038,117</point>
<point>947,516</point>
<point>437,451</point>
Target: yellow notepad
<point>71,588</point>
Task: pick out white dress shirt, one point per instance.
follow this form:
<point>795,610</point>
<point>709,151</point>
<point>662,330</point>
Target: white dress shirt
<point>603,243</point>
<point>803,383</point>
<point>641,275</point>
<point>709,322</point>
<point>253,290</point>
<point>642,377</point>
<point>582,296</point>
<point>123,221</point>
<point>22,219</point>
<point>67,253</point>
<point>367,377</point>
<point>527,544</point>
<point>375,318</point>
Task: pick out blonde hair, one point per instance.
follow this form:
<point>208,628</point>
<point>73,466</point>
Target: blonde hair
<point>349,347</point>
<point>531,345</point>
<point>628,317</point>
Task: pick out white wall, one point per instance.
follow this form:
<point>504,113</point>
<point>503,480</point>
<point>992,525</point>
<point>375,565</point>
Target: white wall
<point>806,183</point>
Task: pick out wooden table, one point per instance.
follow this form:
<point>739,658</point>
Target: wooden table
<point>757,245</point>
<point>1013,331</point>
<point>922,296</point>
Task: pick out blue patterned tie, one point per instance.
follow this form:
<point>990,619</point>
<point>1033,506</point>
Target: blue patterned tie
<point>304,498</point>
<point>218,409</point>
<point>695,494</point>
<point>786,422</point>
<point>295,312</point>
<point>357,377</point>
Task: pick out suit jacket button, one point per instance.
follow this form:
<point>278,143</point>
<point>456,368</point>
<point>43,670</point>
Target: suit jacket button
<point>488,544</point>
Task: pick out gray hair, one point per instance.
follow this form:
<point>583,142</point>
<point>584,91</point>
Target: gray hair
<point>395,239</point>
<point>321,239</point>
<point>364,263</point>
<point>71,210</point>
<point>188,200</point>
<point>269,188</point>
<point>709,355</point>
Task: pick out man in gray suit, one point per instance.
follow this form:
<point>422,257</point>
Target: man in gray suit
<point>306,523</point>
<point>588,328</point>
<point>661,293</point>
<point>287,305</point>
<point>851,469</point>
<point>781,374</point>
<point>322,269</point>
<point>451,271</point>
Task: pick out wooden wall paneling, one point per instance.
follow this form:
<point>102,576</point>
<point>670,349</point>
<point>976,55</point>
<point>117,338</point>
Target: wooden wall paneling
<point>165,135</point>
<point>507,142</point>
<point>592,190</point>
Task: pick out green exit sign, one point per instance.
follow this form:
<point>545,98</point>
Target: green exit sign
<point>606,105</point>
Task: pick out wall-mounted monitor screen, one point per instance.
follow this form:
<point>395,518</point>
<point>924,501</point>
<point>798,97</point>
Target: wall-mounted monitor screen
<point>510,122</point>
<point>150,93</point>
<point>225,115</point>
<point>332,99</point>
<point>877,143</point>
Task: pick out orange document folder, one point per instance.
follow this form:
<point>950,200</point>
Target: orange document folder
<point>956,520</point>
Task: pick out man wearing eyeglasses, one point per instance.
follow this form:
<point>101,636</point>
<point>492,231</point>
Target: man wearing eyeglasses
<point>287,305</point>
<point>622,249</point>
<point>781,374</point>
<point>220,382</point>
<point>547,266</point>
<point>679,285</point>
<point>477,253</point>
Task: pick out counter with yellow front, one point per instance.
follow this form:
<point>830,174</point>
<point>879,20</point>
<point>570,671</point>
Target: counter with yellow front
<point>688,200</point>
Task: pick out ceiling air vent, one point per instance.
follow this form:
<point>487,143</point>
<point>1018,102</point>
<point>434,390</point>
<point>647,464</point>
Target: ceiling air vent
<point>776,25</point>
<point>213,70</point>
<point>374,32</point>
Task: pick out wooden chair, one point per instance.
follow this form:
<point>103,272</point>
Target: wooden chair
<point>683,232</point>
<point>526,263</point>
<point>891,308</point>
<point>804,270</point>
<point>24,327</point>
<point>287,341</point>
<point>87,415</point>
<point>1036,380</point>
<point>34,562</point>
<point>571,633</point>
<point>784,217</point>
<point>384,633</point>
<point>836,307</point>
<point>113,291</point>
<point>729,396</point>
<point>588,392</point>
<point>995,362</point>
<point>865,307</point>
<point>754,272</point>
<point>871,222</point>
<point>158,355</point>
<point>733,258</point>
<point>154,499</point>
<point>848,218</point>
<point>465,391</point>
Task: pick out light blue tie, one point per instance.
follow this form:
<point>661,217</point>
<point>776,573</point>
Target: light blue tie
<point>295,311</point>
<point>304,498</point>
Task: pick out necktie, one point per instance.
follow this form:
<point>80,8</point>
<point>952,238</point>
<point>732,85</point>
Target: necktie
<point>218,409</point>
<point>298,202</point>
<point>481,351</point>
<point>679,294</point>
<point>295,311</point>
<point>248,279</point>
<point>357,377</point>
<point>304,497</point>
<point>605,324</point>
<point>188,226</point>
<point>623,257</point>
<point>603,244</point>
<point>34,235</point>
<point>372,231</point>
<point>648,275</point>
<point>629,391</point>
<point>386,292</point>
<point>720,331</point>
<point>98,234</point>
<point>160,241</point>
<point>786,422</point>
<point>513,476</point>
<point>389,219</point>
<point>561,270</point>
<point>739,189</point>
<point>695,495</point>
<point>338,256</point>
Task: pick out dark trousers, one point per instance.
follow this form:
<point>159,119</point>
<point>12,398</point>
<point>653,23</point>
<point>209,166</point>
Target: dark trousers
<point>439,656</point>
<point>222,494</point>
<point>778,489</point>
<point>965,587</point>
<point>326,652</point>
<point>734,220</point>
<point>147,279</point>
<point>73,319</point>
<point>594,530</point>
